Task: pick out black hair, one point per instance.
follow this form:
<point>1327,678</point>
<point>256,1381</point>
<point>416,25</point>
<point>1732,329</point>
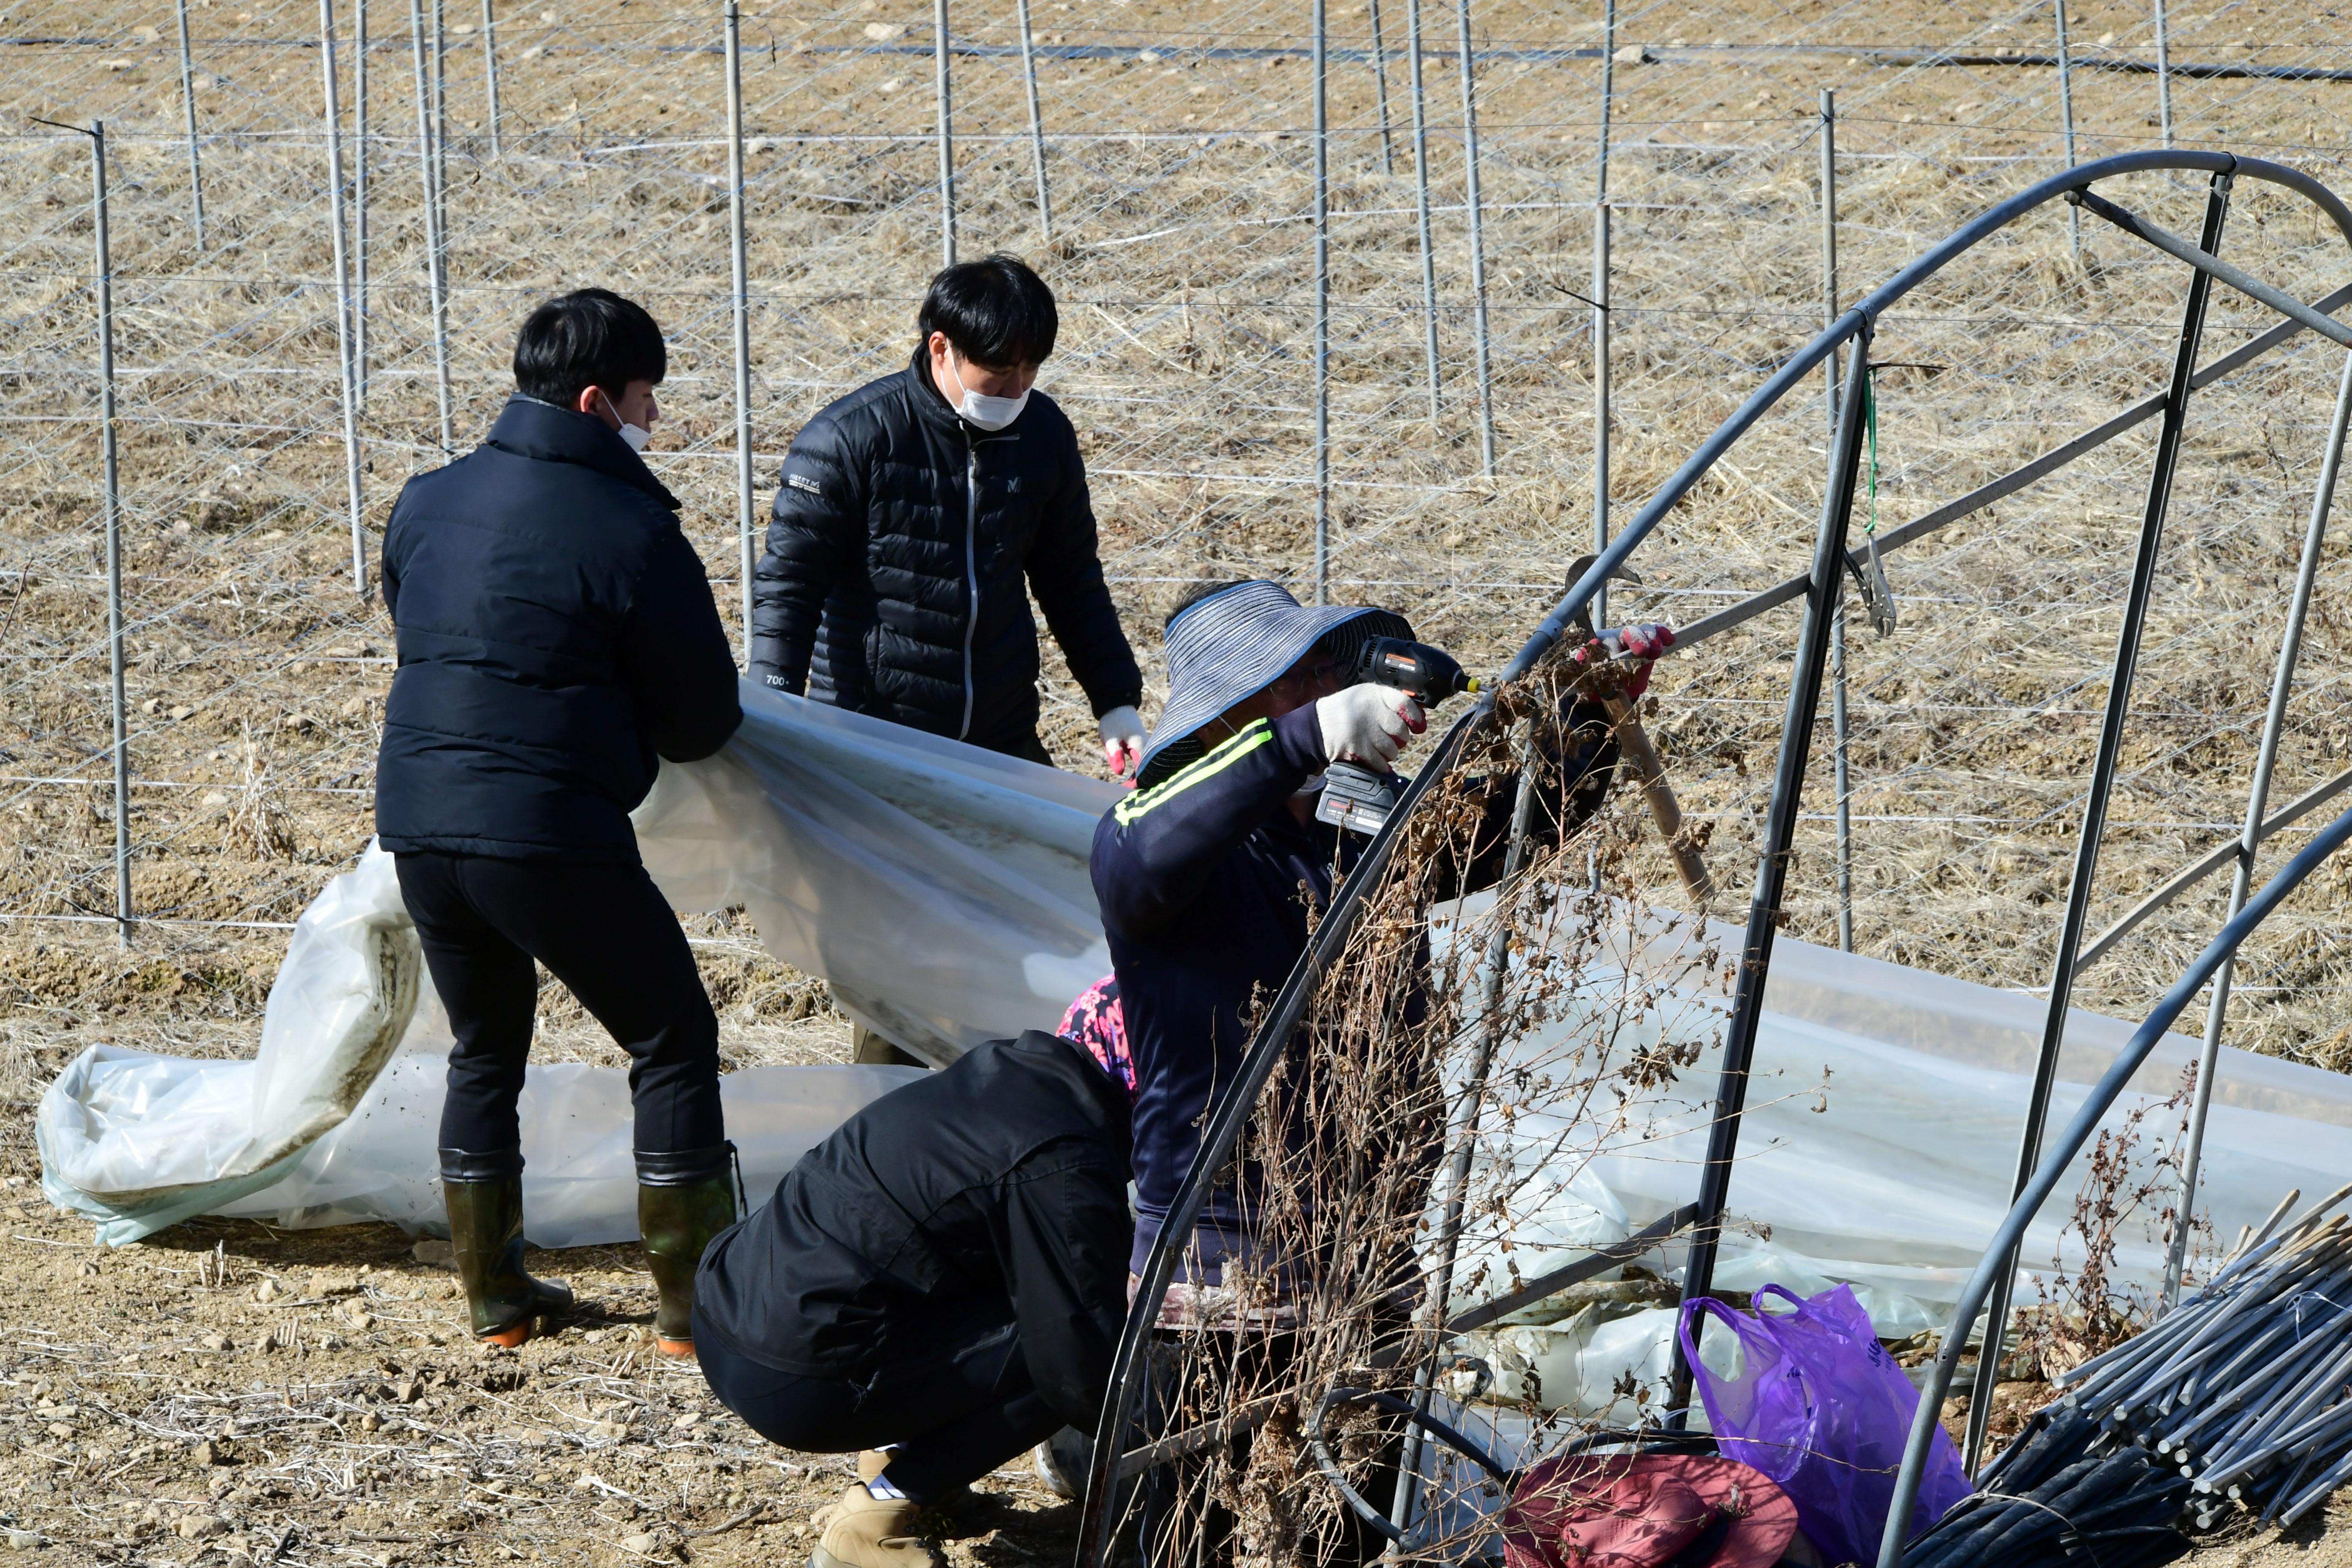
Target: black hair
<point>591,337</point>
<point>996,311</point>
<point>1193,594</point>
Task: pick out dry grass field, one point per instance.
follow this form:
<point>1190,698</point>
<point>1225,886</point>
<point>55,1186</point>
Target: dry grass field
<point>341,1417</point>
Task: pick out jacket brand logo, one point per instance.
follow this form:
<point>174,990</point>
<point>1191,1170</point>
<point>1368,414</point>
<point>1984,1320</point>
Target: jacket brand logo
<point>803,482</point>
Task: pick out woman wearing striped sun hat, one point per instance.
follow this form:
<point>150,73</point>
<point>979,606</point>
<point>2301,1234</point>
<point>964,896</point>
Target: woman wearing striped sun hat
<point>1209,874</point>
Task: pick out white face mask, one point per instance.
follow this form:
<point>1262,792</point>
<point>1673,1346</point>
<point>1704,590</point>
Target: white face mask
<point>636,436</point>
<point>988,413</point>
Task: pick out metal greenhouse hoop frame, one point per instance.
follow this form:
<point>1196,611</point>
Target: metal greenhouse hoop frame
<point>2037,1169</point>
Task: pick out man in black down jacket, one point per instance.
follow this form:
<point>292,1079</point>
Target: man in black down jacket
<point>557,638</point>
<point>944,1280</point>
<point>909,515</point>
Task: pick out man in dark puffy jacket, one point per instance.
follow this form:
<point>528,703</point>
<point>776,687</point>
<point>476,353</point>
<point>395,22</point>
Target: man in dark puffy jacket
<point>557,640</point>
<point>917,516</point>
<point>941,1283</point>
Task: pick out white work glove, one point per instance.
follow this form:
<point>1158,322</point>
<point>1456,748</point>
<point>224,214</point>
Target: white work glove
<point>1367,723</point>
<point>1122,741</point>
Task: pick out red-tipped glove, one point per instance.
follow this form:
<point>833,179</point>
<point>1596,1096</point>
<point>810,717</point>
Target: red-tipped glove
<point>1641,645</point>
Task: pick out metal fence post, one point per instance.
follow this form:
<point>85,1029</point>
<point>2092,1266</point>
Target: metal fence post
<point>2164,71</point>
<point>342,294</point>
<point>424,159</point>
<point>1600,398</point>
<point>947,133</point>
<point>440,123</point>
<point>1601,389</point>
<point>358,202</point>
<point>1838,727</point>
<point>1381,87</point>
<point>1478,245</point>
<point>1421,197</point>
<point>188,96</point>
<point>2066,124</point>
<point>1322,311</point>
<point>2095,805</point>
<point>1036,126</point>
<point>112,515</point>
<point>2257,801</point>
<point>491,74</point>
<point>110,457</point>
<point>739,245</point>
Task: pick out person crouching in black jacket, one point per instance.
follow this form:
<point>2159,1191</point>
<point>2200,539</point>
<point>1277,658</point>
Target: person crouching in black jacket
<point>941,1283</point>
<point>918,515</point>
<point>557,640</point>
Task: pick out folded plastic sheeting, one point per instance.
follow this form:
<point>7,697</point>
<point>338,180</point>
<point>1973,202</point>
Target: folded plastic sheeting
<point>941,890</point>
<point>943,893</point>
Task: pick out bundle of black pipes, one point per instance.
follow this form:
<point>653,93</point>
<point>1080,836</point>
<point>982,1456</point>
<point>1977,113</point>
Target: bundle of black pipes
<point>2241,1395</point>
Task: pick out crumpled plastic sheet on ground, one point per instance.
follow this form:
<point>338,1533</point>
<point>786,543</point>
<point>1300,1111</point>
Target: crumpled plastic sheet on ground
<point>942,891</point>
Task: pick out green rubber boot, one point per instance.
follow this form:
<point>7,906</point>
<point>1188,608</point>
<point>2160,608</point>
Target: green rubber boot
<point>683,1200</point>
<point>483,1196</point>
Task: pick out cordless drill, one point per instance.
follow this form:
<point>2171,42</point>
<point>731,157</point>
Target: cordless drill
<point>1355,797</point>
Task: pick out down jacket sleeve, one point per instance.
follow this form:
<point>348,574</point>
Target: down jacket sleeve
<point>674,659</point>
<point>814,540</point>
<point>1067,576</point>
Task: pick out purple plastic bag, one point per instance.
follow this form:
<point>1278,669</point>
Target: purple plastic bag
<point>1822,1408</point>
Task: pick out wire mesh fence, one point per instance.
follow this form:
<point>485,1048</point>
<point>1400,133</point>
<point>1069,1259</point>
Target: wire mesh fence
<point>1159,166</point>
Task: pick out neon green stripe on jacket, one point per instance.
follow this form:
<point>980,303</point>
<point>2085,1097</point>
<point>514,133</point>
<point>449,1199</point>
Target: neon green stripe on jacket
<point>1259,732</point>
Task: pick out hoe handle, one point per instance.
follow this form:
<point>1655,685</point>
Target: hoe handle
<point>1641,759</point>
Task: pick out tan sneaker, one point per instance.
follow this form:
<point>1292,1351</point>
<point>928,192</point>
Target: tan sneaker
<point>872,1462</point>
<point>862,1530</point>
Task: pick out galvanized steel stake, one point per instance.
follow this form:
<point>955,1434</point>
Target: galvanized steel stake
<point>947,133</point>
<point>424,161</point>
<point>1381,86</point>
<point>188,96</point>
<point>110,457</point>
<point>1477,244</point>
<point>2164,72</point>
<point>343,340</point>
<point>1420,201</point>
<point>1037,127</point>
<point>2067,123</point>
<point>1840,731</point>
<point>1600,388</point>
<point>1322,313</point>
<point>359,201</point>
<point>738,246</point>
<point>491,74</point>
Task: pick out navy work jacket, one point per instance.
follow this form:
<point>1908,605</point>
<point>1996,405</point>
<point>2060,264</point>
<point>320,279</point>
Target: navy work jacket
<point>557,637</point>
<point>1206,882</point>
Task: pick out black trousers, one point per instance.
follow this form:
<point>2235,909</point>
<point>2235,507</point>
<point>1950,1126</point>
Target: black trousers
<point>946,1423</point>
<point>604,931</point>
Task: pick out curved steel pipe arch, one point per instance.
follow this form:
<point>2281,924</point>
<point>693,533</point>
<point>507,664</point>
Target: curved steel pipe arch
<point>1225,1124</point>
<point>1867,311</point>
<point>2218,951</point>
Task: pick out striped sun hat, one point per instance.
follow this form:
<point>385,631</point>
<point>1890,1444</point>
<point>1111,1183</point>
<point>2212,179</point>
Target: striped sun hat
<point>1234,644</point>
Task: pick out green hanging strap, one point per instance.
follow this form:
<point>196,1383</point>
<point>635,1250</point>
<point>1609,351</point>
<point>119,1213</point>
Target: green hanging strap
<point>1870,419</point>
<point>1877,598</point>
